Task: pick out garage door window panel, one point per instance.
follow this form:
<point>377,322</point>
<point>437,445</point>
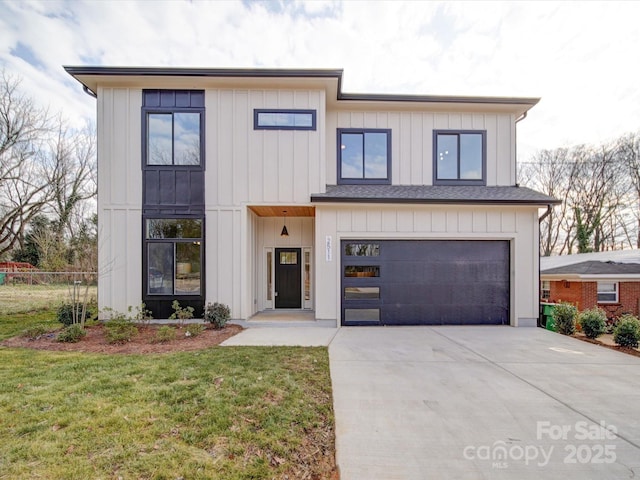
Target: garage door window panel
<point>361,271</point>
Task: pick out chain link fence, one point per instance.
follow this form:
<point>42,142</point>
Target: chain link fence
<point>27,290</point>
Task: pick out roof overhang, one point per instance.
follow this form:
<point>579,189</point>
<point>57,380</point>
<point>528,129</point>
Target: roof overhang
<point>330,80</point>
<point>605,277</point>
<point>433,194</point>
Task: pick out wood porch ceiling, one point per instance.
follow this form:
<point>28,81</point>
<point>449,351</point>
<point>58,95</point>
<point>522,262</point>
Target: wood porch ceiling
<point>279,211</point>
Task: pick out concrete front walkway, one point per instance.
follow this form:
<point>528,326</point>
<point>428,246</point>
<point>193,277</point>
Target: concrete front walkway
<point>482,403</point>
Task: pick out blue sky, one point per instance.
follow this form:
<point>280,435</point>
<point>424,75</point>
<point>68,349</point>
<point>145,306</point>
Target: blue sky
<point>580,57</point>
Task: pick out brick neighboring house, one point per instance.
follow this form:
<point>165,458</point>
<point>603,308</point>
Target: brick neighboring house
<point>608,280</point>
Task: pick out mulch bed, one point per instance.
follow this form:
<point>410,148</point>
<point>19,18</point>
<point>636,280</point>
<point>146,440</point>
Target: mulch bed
<point>95,341</point>
<point>618,348</point>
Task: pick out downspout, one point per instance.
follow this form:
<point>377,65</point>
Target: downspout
<point>544,215</point>
<point>89,92</point>
<point>521,117</point>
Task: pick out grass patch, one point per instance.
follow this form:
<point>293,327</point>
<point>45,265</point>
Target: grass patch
<point>17,323</point>
<point>30,298</point>
<point>232,413</point>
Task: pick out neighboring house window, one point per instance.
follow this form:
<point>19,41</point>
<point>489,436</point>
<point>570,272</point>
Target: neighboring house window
<point>174,126</point>
<point>174,256</point>
<point>459,157</point>
<point>545,290</point>
<point>284,119</point>
<point>364,156</point>
<point>607,292</point>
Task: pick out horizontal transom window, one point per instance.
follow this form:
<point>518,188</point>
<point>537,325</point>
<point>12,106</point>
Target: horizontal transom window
<point>158,228</point>
<point>284,119</point>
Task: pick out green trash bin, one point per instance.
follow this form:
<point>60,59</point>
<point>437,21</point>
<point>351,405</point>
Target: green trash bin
<point>2,277</point>
<point>547,316</point>
<point>550,323</point>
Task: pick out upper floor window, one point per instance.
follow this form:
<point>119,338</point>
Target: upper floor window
<point>284,119</point>
<point>459,157</point>
<point>173,127</point>
<point>364,156</point>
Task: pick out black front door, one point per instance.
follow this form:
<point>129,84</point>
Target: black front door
<point>288,278</point>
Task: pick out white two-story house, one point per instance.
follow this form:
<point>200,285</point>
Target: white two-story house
<point>273,189</point>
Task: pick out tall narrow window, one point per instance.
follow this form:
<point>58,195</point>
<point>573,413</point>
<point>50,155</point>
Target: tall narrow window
<point>269,276</point>
<point>459,157</point>
<point>307,275</point>
<point>364,156</point>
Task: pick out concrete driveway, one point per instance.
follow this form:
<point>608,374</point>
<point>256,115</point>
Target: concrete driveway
<point>482,402</point>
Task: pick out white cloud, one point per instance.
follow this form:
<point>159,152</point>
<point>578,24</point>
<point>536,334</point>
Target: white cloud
<point>579,57</point>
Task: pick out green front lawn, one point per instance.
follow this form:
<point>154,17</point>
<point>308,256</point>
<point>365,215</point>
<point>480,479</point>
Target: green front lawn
<point>229,413</point>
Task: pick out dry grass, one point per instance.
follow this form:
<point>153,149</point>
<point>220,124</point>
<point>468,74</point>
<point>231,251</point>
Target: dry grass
<point>32,298</point>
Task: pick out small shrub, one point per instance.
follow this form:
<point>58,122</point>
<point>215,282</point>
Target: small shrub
<point>627,331</point>
<point>65,312</point>
<point>181,314</point>
<point>217,314</point>
<point>564,315</point>
<point>142,315</point>
<point>194,329</point>
<point>34,332</point>
<point>593,322</point>
<point>71,334</point>
<point>165,334</point>
<point>119,330</point>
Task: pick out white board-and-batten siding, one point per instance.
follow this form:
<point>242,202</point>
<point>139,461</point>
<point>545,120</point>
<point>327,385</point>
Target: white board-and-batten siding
<point>412,141</point>
<point>518,225</point>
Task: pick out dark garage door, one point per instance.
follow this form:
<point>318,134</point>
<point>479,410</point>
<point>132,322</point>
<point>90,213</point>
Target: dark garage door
<point>425,282</point>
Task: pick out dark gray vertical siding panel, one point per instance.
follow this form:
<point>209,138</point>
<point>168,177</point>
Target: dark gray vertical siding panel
<point>182,185</point>
<point>167,183</point>
<point>197,99</point>
<point>196,187</point>
<point>152,188</point>
<point>173,191</point>
<point>183,99</point>
<point>167,98</point>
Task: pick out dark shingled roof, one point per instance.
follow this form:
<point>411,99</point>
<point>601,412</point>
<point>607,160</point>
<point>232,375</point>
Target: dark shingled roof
<point>595,268</point>
<point>440,194</point>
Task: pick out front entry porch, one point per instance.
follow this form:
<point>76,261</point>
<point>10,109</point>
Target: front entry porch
<point>281,264</point>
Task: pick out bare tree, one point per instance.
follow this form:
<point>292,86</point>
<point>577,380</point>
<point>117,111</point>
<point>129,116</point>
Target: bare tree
<point>600,191</point>
<point>550,171</point>
<point>71,168</point>
<point>24,189</point>
<point>629,154</point>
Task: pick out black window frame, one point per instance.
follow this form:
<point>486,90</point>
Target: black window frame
<point>258,111</point>
<point>146,241</point>
<point>361,181</point>
<point>459,181</point>
<point>163,107</point>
